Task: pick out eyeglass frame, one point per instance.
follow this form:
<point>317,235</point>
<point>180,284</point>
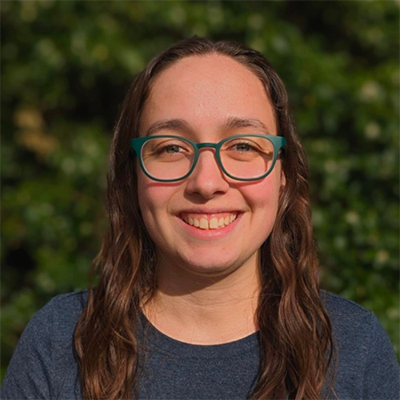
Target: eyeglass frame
<point>279,142</point>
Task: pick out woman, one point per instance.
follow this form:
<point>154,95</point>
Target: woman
<point>208,275</point>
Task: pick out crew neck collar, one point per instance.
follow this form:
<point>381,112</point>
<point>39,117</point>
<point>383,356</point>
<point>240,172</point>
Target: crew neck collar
<point>160,342</point>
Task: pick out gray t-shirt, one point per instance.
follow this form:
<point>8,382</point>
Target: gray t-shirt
<point>44,363</point>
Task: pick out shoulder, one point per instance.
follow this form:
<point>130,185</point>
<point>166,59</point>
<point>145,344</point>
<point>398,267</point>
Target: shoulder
<point>74,302</point>
<point>352,324</point>
<point>62,311</point>
<point>366,364</point>
<point>338,305</point>
<point>44,363</point>
<point>343,311</point>
<point>52,328</point>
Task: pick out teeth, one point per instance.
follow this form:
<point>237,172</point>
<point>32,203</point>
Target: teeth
<point>203,223</point>
<point>213,223</point>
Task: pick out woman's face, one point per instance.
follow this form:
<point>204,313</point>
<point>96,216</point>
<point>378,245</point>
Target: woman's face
<point>213,97</point>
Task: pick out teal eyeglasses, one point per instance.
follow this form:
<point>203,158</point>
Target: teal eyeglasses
<point>168,158</point>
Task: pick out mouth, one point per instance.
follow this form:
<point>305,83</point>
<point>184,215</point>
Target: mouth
<point>209,221</point>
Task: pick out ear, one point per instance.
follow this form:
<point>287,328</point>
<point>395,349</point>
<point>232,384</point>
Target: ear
<point>283,180</point>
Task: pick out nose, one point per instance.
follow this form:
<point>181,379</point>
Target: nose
<point>207,179</point>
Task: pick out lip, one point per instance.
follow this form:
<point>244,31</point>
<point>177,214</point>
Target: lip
<point>210,233</point>
<point>202,210</point>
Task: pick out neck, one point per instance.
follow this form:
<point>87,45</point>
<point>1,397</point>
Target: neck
<point>199,309</point>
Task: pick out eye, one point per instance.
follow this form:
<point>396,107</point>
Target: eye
<point>172,148</point>
<point>242,147</point>
<point>250,149</point>
<point>167,147</point>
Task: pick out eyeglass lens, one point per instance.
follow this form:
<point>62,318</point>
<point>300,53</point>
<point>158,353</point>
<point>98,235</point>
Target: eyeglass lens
<point>245,157</point>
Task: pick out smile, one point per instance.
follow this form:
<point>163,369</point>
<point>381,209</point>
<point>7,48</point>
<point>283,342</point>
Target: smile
<point>209,221</point>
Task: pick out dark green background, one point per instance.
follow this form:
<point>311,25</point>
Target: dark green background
<point>66,66</point>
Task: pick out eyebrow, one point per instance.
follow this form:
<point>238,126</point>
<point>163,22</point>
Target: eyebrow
<point>234,123</point>
<point>173,124</point>
<point>183,126</point>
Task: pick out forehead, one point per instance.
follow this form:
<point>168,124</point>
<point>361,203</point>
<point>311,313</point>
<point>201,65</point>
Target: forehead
<point>208,89</point>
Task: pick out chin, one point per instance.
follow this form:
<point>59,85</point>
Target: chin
<point>212,270</point>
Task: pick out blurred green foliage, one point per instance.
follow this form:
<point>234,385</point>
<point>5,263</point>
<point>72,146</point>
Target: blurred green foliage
<point>66,66</point>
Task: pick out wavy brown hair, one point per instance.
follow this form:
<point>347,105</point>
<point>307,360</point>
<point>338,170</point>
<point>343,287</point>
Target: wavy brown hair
<point>295,331</point>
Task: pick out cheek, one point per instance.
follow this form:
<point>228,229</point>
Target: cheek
<point>154,199</point>
<point>265,194</point>
<point>263,199</point>
<point>142,190</point>
<point>149,202</point>
<point>150,197</point>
